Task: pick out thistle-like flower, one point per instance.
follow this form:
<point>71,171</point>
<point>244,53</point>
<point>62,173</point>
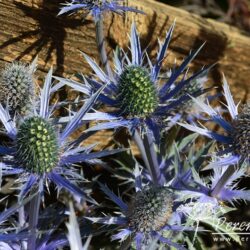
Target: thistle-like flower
<point>37,148</point>
<point>40,151</point>
<point>241,133</point>
<point>17,88</point>
<point>136,92</point>
<point>145,218</point>
<point>150,209</point>
<point>96,7</point>
<point>188,110</point>
<point>236,138</point>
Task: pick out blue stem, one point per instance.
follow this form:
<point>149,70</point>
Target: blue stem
<point>147,150</point>
<point>222,181</point>
<point>139,143</point>
<point>100,41</point>
<point>33,218</point>
<point>148,141</point>
<point>21,217</point>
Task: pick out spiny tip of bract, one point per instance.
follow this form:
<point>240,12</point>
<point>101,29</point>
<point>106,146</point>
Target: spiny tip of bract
<point>17,87</point>
<point>37,145</point>
<point>150,209</point>
<point>241,133</point>
<point>137,93</point>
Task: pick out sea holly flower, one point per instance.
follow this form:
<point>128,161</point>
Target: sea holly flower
<point>17,88</point>
<point>136,92</point>
<point>150,209</point>
<point>157,213</point>
<point>236,136</point>
<point>146,218</point>
<point>96,7</point>
<point>188,110</point>
<point>40,152</point>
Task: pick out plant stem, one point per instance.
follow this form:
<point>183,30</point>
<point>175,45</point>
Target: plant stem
<point>139,143</point>
<point>33,218</point>
<point>21,218</point>
<point>223,180</point>
<point>147,150</point>
<point>148,141</point>
<point>100,41</point>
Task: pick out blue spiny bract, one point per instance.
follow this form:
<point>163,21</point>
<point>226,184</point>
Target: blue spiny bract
<point>137,93</point>
<point>17,88</point>
<point>241,134</point>
<point>150,209</point>
<point>37,147</point>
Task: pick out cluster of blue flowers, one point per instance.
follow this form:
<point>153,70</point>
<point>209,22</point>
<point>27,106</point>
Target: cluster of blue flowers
<point>165,193</point>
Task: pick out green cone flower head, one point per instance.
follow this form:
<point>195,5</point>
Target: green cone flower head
<point>17,87</point>
<point>192,87</point>
<point>150,209</point>
<point>242,133</point>
<point>37,146</point>
<point>137,93</point>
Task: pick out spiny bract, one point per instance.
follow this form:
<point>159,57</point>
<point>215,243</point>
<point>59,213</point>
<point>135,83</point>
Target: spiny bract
<point>17,87</point>
<point>242,133</point>
<point>151,209</point>
<point>37,146</point>
<point>137,93</point>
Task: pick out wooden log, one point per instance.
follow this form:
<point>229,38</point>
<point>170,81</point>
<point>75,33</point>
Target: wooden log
<point>28,28</point>
<point>32,27</point>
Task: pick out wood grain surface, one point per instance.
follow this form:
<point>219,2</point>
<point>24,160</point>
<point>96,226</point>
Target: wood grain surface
<point>29,28</point>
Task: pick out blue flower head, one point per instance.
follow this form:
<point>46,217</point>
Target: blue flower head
<point>96,7</point>
<point>136,90</point>
<point>241,133</point>
<point>157,213</point>
<point>236,131</point>
<point>188,110</point>
<point>40,151</point>
<point>145,218</point>
<point>150,209</point>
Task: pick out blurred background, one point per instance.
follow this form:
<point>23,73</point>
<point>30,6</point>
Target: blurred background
<point>234,12</point>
